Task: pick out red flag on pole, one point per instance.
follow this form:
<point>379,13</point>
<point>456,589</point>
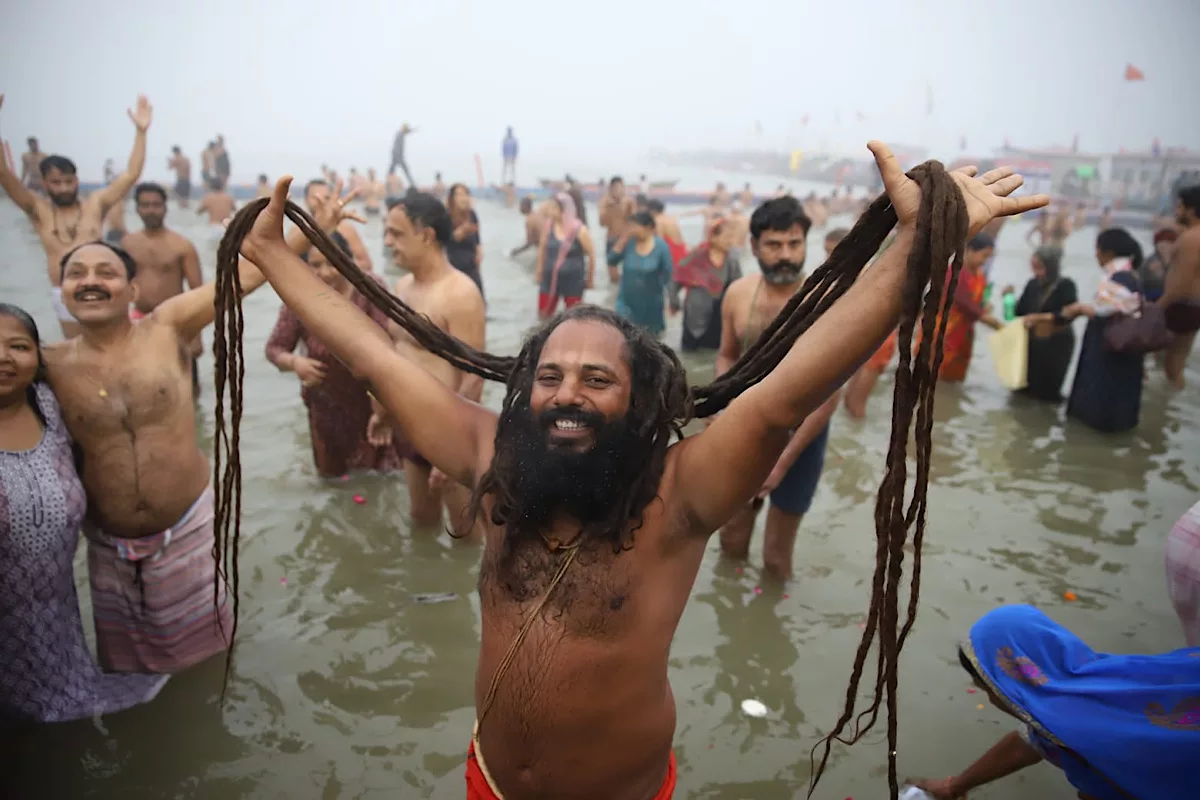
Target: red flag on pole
<point>1132,73</point>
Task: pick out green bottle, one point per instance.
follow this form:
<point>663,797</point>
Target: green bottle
<point>1010,306</point>
<point>987,294</point>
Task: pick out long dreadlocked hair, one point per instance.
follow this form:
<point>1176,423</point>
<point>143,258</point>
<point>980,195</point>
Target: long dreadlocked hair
<point>930,282</point>
<point>659,402</point>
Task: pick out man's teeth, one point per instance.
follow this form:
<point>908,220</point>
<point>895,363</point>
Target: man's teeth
<point>568,425</point>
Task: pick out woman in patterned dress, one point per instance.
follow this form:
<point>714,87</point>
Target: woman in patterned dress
<point>339,405</point>
<point>47,673</point>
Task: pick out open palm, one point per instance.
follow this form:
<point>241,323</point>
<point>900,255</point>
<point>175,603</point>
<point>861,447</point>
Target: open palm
<point>986,196</point>
<point>142,113</point>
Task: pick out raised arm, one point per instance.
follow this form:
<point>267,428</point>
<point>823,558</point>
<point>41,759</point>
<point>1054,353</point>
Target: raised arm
<point>455,434</point>
<point>721,468</point>
<point>13,187</point>
<point>111,195</point>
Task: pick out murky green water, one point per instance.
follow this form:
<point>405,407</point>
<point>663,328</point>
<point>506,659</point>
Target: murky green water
<point>346,688</point>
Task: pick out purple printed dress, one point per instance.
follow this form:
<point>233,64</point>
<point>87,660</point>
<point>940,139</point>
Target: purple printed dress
<point>47,673</point>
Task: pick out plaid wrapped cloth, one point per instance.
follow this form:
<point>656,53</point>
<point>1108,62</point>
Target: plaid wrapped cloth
<point>1183,573</point>
<point>1113,298</point>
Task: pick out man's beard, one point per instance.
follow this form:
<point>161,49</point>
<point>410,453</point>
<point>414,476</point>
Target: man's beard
<point>553,479</point>
<point>782,273</point>
<point>64,199</point>
<point>153,223</point>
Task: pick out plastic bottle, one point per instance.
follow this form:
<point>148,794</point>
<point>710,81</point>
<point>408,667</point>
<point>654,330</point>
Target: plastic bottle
<point>1010,306</point>
<point>914,793</point>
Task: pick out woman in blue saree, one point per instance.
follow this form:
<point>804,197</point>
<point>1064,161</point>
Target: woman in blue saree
<point>1119,727</point>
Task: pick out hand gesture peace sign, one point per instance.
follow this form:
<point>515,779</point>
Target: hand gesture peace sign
<point>987,196</point>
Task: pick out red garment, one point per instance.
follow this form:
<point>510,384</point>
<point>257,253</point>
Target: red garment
<point>547,303</point>
<point>696,271</point>
<point>338,407</point>
<point>678,251</point>
<point>478,788</point>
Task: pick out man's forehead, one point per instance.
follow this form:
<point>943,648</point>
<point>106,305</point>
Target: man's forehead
<point>578,342</point>
<point>794,232</point>
<point>95,254</point>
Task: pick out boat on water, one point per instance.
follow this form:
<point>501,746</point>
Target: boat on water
<point>558,186</point>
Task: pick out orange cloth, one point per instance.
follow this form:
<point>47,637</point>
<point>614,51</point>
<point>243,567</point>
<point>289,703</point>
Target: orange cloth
<point>883,356</point>
<point>960,328</point>
<point>478,787</point>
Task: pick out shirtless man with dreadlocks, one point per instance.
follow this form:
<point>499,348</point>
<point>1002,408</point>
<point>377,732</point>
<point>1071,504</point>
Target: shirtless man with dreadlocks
<point>596,523</point>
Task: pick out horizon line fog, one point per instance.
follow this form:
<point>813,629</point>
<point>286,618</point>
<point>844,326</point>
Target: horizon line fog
<point>590,92</point>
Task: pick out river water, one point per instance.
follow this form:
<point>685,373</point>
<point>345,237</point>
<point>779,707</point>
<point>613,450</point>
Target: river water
<point>346,687</point>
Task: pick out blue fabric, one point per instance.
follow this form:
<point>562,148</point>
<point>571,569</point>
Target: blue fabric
<point>641,296</point>
<point>794,494</point>
<point>1118,726</point>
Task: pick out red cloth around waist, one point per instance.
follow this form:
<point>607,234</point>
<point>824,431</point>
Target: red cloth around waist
<point>478,788</point>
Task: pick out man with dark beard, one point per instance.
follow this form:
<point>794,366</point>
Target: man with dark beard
<point>778,238</point>
<point>60,219</point>
<point>595,523</point>
<point>165,260</point>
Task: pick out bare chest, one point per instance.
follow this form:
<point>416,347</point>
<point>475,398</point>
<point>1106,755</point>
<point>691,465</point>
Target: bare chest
<point>62,229</point>
<point>594,597</point>
<point>118,396</point>
<point>162,260</point>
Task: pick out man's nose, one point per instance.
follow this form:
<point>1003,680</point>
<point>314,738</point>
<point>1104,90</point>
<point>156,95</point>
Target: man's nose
<point>568,393</point>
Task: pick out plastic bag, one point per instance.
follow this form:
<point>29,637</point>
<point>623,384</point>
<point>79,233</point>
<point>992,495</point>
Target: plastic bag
<point>1010,354</point>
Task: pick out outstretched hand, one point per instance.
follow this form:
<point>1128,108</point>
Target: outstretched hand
<point>142,113</point>
<point>267,232</point>
<point>334,210</point>
<point>987,196</point>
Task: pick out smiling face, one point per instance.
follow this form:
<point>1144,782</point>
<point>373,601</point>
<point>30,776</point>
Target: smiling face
<point>96,286</point>
<point>18,360</point>
<point>582,384</point>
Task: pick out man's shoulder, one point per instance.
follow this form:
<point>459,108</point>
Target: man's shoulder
<point>460,289</point>
<point>740,285</point>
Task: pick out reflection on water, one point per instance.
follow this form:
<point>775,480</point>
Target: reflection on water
<point>345,686</point>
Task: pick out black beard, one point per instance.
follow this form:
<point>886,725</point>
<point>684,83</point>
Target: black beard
<point>64,199</point>
<point>556,479</point>
<point>781,273</point>
<point>153,223</point>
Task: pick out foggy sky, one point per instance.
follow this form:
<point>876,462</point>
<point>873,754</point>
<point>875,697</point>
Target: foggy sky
<point>294,84</point>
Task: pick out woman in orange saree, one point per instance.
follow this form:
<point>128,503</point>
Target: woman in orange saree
<point>967,309</point>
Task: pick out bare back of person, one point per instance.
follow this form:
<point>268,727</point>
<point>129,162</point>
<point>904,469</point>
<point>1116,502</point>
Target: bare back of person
<point>219,206</point>
<point>373,196</point>
<point>130,410</point>
<point>586,701</point>
<point>667,227</point>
